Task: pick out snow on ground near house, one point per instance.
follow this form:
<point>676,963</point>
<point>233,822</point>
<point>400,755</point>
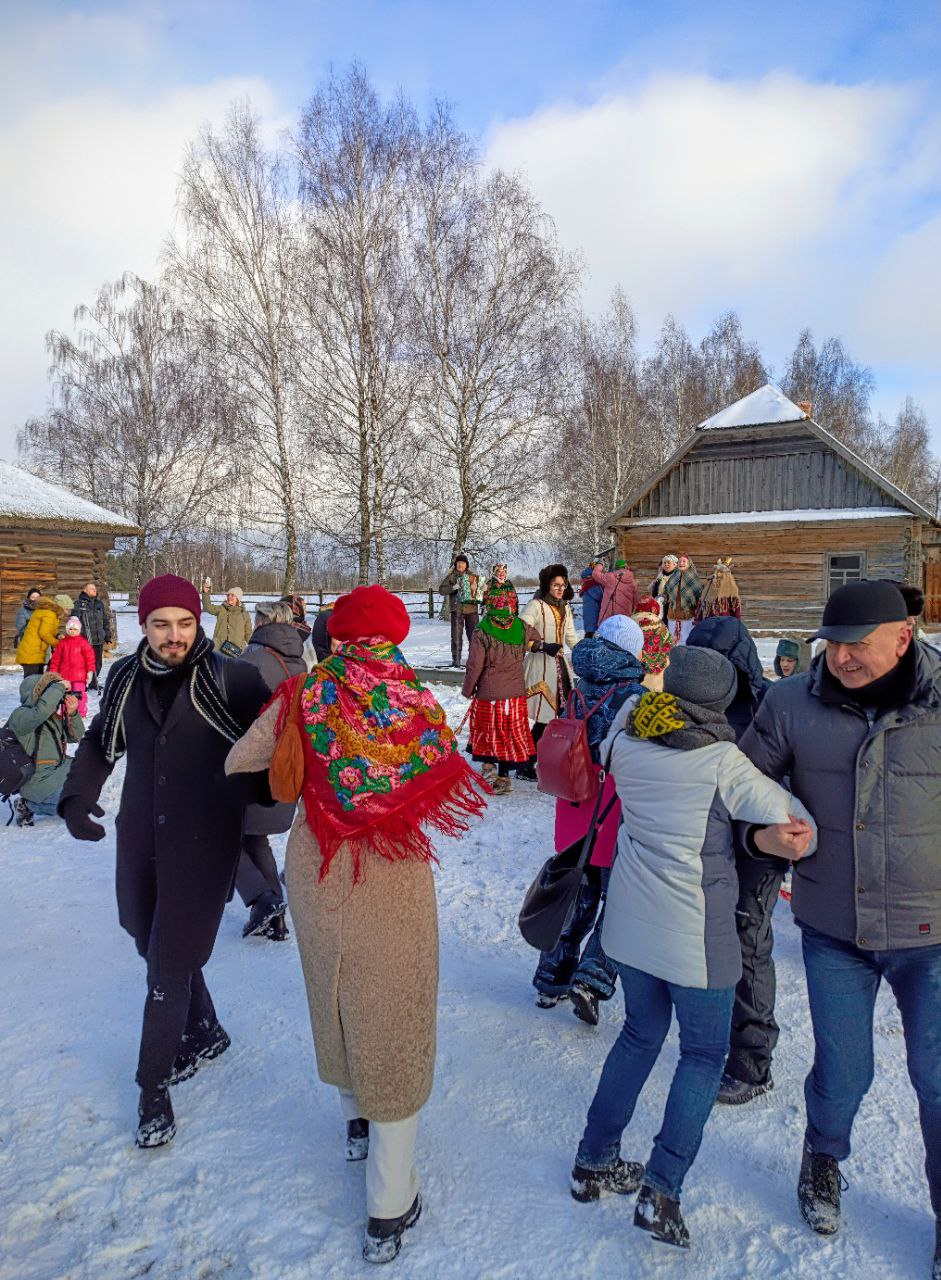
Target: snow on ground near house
<point>255,1186</point>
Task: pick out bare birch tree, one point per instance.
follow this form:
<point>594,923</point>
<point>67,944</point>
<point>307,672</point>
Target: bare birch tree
<point>838,388</point>
<point>354,156</point>
<point>490,288</point>
<point>232,265</point>
<point>138,418</point>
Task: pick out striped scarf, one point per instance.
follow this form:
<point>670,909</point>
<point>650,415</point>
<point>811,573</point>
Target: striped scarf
<point>205,694</point>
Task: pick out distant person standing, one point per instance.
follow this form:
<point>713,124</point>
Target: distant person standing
<point>90,611</point>
<point>620,590</point>
<point>592,593</point>
<point>681,592</point>
<point>233,621</point>
<point>74,660</point>
<point>464,591</point>
<point>174,708</point>
<point>25,611</point>
<point>41,634</point>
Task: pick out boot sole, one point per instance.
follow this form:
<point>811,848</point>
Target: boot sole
<point>210,1054</point>
<point>658,1238</point>
<point>253,930</point>
<point>757,1091</point>
<point>148,1141</point>
<point>582,1008</point>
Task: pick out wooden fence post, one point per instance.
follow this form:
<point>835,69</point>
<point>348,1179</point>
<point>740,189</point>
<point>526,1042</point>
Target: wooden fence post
<point>431,603</point>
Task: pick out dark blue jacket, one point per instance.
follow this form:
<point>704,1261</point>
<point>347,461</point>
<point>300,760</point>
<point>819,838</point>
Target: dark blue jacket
<point>599,666</point>
<point>591,604</point>
<point>731,638</point>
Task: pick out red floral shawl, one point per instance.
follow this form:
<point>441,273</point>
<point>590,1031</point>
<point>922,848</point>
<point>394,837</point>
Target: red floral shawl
<point>380,760</point>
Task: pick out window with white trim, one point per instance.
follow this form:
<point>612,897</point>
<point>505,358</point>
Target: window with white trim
<point>844,567</point>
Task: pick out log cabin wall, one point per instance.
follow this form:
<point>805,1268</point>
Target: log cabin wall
<point>781,568</point>
<point>53,560</point>
<point>757,469</point>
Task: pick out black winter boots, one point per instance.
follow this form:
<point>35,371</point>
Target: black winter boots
<point>734,1093</point>
<point>384,1235</point>
<point>156,1124</point>
<point>266,918</point>
<point>198,1049</point>
<point>818,1192</point>
<point>584,1003</point>
<point>657,1214</point>
<point>622,1179</point>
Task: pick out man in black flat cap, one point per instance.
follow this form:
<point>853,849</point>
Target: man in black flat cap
<point>859,737</point>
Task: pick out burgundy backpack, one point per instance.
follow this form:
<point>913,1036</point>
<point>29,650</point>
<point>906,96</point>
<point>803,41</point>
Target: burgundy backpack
<point>564,766</point>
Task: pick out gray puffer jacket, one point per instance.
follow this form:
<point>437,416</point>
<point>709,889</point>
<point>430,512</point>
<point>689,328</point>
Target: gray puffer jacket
<point>875,790</point>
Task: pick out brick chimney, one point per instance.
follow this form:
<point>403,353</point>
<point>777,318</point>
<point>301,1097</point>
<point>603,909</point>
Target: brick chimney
<point>807,407</point>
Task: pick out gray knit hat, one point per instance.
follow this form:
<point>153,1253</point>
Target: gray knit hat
<point>701,676</point>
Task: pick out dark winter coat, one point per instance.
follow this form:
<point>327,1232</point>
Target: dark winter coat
<point>875,791</point>
<point>592,595</point>
<point>180,818</point>
<point>495,671</point>
<point>731,638</point>
<point>269,643</point>
<point>42,732</point>
<point>320,636</point>
<point>233,623</point>
<point>23,615</point>
<point>90,611</point>
<point>602,667</point>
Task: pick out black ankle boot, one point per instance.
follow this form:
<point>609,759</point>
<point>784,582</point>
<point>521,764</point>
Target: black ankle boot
<point>657,1214</point>
<point>818,1192</point>
<point>357,1139</point>
<point>383,1238</point>
<point>621,1179</point>
<point>195,1050</point>
<point>156,1126</point>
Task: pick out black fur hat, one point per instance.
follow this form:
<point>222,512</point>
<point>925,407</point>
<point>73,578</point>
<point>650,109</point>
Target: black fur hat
<point>555,571</point>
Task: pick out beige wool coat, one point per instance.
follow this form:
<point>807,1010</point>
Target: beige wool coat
<point>542,671</point>
<point>369,953</point>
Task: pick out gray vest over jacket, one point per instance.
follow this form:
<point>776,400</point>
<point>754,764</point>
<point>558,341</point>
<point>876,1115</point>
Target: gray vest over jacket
<point>875,791</point>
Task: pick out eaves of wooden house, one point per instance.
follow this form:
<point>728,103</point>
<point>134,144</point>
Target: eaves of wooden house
<point>798,512</point>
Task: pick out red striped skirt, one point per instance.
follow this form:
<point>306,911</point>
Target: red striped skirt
<point>500,731</point>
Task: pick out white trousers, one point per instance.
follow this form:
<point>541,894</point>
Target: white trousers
<point>391,1180</point>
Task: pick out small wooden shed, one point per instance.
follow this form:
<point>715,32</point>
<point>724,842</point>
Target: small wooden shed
<point>49,538</point>
<point>798,512</point>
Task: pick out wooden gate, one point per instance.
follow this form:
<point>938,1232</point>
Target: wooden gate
<point>933,592</point>
<point>16,578</point>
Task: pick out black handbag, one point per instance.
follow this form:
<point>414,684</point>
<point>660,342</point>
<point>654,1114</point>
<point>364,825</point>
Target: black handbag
<point>229,649</point>
<point>17,766</point>
<point>550,899</point>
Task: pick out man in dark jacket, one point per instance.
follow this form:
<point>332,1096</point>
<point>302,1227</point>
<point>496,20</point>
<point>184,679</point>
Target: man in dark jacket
<point>859,736</point>
<point>175,708</point>
<point>276,651</point>
<point>90,611</point>
<point>464,590</point>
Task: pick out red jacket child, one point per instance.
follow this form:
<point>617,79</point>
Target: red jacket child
<point>73,657</point>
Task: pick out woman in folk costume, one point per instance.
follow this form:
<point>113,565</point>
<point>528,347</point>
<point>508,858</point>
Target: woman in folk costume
<point>655,655</point>
<point>549,676</point>
<point>380,765</point>
<point>721,597</point>
<point>681,593</point>
<point>500,736</point>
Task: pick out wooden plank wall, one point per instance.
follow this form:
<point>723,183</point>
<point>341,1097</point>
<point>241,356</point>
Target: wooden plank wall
<point>55,562</point>
<point>751,471</point>
<point>780,568</point>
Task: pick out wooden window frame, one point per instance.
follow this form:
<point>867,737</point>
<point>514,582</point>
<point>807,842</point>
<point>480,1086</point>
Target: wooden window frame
<point>828,571</point>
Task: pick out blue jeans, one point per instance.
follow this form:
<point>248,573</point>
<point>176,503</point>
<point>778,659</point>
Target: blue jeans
<point>842,982</point>
<point>46,807</point>
<point>566,962</point>
<point>705,1018</point>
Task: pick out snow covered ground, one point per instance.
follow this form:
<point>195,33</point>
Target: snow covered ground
<point>255,1186</point>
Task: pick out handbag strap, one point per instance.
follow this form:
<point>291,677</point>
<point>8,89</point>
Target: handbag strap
<point>596,820</point>
<point>274,653</point>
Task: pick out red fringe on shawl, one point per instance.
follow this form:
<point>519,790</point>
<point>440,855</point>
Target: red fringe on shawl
<point>445,799</point>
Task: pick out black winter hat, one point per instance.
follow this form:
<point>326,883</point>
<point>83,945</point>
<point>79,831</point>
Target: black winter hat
<point>913,596</point>
<point>555,571</point>
<point>858,608</point>
<point>461,555</point>
<point>701,676</point>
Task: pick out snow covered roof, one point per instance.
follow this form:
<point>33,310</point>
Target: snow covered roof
<point>776,517</point>
<point>765,405</point>
<point>24,497</point>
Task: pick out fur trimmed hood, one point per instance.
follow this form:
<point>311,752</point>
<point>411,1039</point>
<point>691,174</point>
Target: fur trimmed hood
<point>33,687</point>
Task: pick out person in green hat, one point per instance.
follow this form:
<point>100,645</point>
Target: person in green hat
<point>787,658</point>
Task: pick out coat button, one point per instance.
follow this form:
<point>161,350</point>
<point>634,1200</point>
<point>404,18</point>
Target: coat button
<point>861,942</point>
<point>860,826</point>
<point>162,781</point>
<point>162,739</point>
<point>161,819</point>
<point>861,889</point>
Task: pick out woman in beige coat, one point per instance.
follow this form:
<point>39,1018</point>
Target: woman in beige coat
<point>548,669</point>
<point>380,764</point>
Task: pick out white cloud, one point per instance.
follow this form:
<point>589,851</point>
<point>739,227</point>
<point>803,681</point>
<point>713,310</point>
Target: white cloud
<point>789,200</point>
<point>90,192</point>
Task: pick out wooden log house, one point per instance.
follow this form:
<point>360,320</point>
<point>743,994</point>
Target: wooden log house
<point>798,512</point>
<point>51,539</point>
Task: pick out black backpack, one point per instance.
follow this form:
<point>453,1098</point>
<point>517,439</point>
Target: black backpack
<point>17,766</point>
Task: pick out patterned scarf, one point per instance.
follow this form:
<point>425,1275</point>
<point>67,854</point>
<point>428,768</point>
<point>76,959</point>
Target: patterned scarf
<point>380,760</point>
<point>207,697</point>
<point>673,722</point>
<point>686,585</point>
<point>501,606</point>
<point>465,594</point>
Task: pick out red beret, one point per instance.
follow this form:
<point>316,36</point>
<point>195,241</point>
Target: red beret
<point>366,612</point>
<point>168,592</point>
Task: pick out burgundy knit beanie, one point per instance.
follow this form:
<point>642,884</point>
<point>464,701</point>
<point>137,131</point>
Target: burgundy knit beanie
<point>168,592</point>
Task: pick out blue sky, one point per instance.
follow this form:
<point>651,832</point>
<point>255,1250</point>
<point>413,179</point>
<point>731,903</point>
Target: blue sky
<point>781,159</point>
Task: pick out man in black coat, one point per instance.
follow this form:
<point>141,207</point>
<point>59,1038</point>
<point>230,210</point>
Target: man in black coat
<point>90,611</point>
<point>175,708</point>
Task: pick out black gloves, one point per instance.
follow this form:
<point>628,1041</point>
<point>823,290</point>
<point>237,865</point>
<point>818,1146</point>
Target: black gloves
<point>75,811</point>
<point>551,649</point>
